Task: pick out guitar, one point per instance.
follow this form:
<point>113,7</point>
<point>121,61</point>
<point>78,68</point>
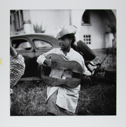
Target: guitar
<point>61,62</point>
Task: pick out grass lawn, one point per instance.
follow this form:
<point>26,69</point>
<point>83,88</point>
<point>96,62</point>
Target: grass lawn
<point>98,98</point>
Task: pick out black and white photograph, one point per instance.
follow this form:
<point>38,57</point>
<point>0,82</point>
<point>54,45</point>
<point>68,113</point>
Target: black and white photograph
<point>63,62</point>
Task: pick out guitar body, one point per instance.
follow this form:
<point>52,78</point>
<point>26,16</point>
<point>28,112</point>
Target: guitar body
<point>60,62</point>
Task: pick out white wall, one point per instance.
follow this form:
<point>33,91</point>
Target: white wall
<point>12,26</point>
<point>97,31</point>
<point>76,17</point>
<point>50,19</point>
<point>114,11</point>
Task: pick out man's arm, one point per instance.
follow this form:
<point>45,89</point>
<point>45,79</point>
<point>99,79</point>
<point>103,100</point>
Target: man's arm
<point>13,52</point>
<point>86,73</point>
<point>85,70</point>
<point>41,60</point>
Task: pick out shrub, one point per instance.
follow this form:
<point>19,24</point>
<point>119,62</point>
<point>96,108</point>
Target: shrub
<point>38,28</point>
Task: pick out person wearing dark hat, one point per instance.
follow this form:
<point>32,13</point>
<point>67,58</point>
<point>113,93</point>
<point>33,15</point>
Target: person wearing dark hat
<point>63,100</point>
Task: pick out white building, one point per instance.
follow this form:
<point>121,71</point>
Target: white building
<point>94,26</point>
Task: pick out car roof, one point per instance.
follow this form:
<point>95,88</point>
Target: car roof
<point>29,34</point>
<point>47,37</point>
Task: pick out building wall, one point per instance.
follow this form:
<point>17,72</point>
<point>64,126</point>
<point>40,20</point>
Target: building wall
<point>13,31</point>
<point>50,19</point>
<point>114,11</point>
<point>76,17</point>
<point>97,30</point>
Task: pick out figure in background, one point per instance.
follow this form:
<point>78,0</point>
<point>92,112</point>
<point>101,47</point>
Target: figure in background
<point>17,67</point>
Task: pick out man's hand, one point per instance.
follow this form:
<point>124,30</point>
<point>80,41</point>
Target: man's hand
<point>47,62</point>
<point>13,51</point>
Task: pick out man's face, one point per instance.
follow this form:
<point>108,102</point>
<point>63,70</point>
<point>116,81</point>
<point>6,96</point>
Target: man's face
<point>64,43</point>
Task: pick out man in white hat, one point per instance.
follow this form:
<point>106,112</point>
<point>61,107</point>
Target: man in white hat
<point>62,100</point>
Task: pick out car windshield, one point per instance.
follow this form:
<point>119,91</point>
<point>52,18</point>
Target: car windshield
<point>40,44</point>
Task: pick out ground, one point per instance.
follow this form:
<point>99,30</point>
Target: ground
<point>96,98</point>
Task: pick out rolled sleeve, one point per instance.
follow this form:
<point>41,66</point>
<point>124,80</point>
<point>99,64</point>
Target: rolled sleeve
<point>41,59</point>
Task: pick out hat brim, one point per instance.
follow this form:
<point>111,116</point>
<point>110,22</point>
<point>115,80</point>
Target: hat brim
<point>67,30</point>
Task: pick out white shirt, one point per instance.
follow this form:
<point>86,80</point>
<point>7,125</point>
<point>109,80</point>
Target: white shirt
<point>66,98</point>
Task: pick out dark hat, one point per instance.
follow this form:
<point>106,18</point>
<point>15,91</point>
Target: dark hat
<point>67,30</point>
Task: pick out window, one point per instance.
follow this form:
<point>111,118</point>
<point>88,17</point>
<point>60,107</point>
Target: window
<point>87,39</point>
<point>40,44</point>
<point>18,19</point>
<point>21,44</point>
<point>86,17</point>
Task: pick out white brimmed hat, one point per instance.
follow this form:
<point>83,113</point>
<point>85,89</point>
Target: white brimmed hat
<point>67,30</point>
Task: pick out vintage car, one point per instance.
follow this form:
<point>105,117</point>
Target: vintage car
<point>31,46</point>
